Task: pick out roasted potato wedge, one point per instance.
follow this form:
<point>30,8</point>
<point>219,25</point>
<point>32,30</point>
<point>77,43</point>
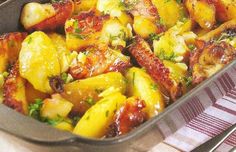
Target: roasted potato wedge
<point>55,107</point>
<point>38,61</point>
<point>63,52</point>
<point>169,11</point>
<point>99,115</point>
<point>84,93</point>
<point>14,91</point>
<point>202,12</point>
<point>46,17</point>
<point>84,5</point>
<point>140,84</point>
<point>225,10</point>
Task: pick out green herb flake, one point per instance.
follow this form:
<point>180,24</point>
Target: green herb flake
<point>107,113</point>
<point>133,78</point>
<point>163,56</point>
<point>188,81</point>
<point>64,77</point>
<point>154,86</point>
<point>154,36</point>
<point>29,40</point>
<point>34,108</point>
<point>90,101</point>
<point>75,120</point>
<point>179,1</point>
<point>88,118</point>
<point>191,47</point>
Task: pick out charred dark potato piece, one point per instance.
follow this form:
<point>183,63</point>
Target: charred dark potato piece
<point>14,91</point>
<point>46,17</point>
<point>146,58</point>
<point>10,45</point>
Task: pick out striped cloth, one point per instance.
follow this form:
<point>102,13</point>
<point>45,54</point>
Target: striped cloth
<point>206,115</point>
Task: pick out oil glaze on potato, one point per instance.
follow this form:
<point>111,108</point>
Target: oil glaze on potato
<point>96,120</point>
<point>38,61</point>
<point>140,84</point>
<point>81,91</point>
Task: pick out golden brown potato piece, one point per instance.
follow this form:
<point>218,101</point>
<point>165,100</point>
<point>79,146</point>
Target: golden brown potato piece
<point>170,11</point>
<point>141,85</point>
<point>14,91</point>
<point>83,30</point>
<point>84,93</point>
<point>10,45</point>
<point>225,10</point>
<point>32,93</point>
<point>202,12</point>
<point>46,17</point>
<point>96,120</point>
<point>55,107</point>
<point>84,5</point>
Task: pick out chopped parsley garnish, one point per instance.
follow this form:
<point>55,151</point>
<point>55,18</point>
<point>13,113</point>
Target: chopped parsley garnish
<point>77,30</point>
<point>179,1</point>
<point>163,56</point>
<point>191,47</point>
<point>133,78</point>
<point>34,108</point>
<point>90,101</point>
<point>154,36</point>
<point>154,86</point>
<point>107,113</point>
<point>75,120</point>
<point>128,5</point>
<point>188,81</point>
<point>30,40</point>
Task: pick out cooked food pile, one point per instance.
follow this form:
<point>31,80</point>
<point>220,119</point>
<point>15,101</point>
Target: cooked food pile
<point>100,68</point>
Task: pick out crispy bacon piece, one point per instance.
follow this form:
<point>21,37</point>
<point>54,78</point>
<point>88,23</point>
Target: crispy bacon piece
<point>63,9</point>
<point>209,58</point>
<point>14,91</point>
<point>146,58</point>
<point>10,45</point>
<point>129,116</point>
<point>99,60</point>
<point>142,8</point>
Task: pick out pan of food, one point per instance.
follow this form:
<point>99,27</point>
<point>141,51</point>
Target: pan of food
<point>100,75</point>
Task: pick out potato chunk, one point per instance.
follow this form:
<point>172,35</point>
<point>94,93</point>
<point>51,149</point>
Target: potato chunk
<point>84,5</point>
<point>202,12</point>
<point>140,84</point>
<point>96,120</point>
<point>169,11</point>
<point>38,61</point>
<point>225,10</point>
<point>55,107</point>
<point>84,93</point>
